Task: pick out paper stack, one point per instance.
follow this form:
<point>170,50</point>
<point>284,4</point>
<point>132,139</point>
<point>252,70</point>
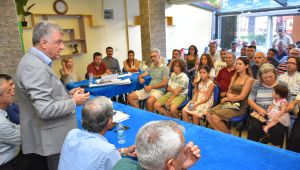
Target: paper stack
<point>120,117</point>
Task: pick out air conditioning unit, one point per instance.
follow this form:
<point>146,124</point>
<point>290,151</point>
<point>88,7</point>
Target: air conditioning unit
<point>108,14</point>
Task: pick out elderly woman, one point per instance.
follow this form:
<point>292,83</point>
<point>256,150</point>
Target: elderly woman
<point>67,72</point>
<point>131,64</point>
<point>234,104</point>
<point>259,100</point>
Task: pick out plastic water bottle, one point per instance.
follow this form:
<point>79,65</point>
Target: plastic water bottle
<point>120,133</point>
<point>91,77</point>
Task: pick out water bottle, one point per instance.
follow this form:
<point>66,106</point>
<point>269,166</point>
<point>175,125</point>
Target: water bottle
<point>191,106</point>
<point>120,133</point>
<point>91,76</point>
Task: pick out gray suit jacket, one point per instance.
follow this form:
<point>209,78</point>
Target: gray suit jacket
<point>46,107</point>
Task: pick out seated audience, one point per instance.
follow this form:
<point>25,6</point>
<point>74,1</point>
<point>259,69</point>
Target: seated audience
<point>292,76</point>
<point>161,145</point>
<point>243,51</point>
<point>297,44</point>
<point>12,110</point>
<point>234,49</point>
<point>235,101</point>
<point>203,97</point>
<point>251,50</point>
<point>219,64</point>
<point>192,61</point>
<point>176,91</point>
<point>205,60</point>
<point>87,148</point>
<point>97,67</point>
<point>259,100</point>
<point>225,74</point>
<point>175,55</point>
<point>131,64</point>
<point>213,51</point>
<point>282,67</point>
<point>272,53</point>
<point>260,59</point>
<point>111,63</point>
<point>289,48</point>
<point>282,55</point>
<point>277,112</point>
<point>11,156</point>
<point>68,73</point>
<point>159,79</point>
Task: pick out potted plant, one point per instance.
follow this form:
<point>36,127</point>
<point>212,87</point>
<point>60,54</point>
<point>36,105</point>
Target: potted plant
<point>22,12</point>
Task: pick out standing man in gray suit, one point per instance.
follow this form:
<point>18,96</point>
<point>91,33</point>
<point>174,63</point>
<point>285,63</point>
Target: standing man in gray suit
<point>47,109</point>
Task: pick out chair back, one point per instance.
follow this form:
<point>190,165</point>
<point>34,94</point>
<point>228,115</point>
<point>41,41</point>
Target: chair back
<point>216,95</point>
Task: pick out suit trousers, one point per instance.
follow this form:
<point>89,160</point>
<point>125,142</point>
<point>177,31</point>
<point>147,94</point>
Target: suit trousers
<point>53,161</point>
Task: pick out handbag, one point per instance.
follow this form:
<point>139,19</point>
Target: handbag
<point>258,117</point>
<point>231,105</point>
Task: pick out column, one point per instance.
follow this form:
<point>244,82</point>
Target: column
<point>11,49</point>
<point>153,28</point>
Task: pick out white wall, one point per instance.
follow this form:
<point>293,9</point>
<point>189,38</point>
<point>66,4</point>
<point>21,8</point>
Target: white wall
<point>192,25</point>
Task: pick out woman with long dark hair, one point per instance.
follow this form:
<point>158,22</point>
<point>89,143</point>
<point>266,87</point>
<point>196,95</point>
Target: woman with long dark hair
<point>235,102</point>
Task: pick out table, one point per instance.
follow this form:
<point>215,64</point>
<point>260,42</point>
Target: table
<point>111,90</point>
<point>218,150</point>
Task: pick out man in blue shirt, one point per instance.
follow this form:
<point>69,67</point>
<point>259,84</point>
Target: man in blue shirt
<point>13,109</point>
<point>87,148</point>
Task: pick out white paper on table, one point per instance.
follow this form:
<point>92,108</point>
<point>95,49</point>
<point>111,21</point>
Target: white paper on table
<point>109,77</point>
<point>99,82</point>
<point>120,117</point>
<point>125,75</point>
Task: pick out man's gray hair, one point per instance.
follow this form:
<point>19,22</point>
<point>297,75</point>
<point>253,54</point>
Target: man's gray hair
<point>233,55</point>
<point>96,114</point>
<point>44,29</point>
<point>155,50</point>
<point>157,142</point>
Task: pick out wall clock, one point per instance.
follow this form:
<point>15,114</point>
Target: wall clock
<point>60,7</point>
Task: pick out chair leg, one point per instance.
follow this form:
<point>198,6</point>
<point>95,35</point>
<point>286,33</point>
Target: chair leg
<point>286,136</point>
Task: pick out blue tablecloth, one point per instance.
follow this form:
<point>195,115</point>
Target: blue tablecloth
<point>218,150</point>
<point>111,90</point>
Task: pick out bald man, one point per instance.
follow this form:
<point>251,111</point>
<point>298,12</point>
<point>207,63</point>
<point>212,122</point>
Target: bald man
<point>259,58</point>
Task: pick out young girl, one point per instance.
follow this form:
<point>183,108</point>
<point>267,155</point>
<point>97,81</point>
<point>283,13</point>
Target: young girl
<point>176,91</point>
<point>205,59</point>
<point>277,110</point>
<point>203,98</point>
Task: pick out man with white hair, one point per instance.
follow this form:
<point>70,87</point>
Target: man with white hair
<point>160,145</point>
<point>47,108</point>
<point>260,59</point>
<point>159,79</point>
<point>88,148</point>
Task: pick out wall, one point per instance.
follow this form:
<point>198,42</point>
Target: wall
<point>10,50</point>
<point>192,25</point>
<point>113,32</point>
